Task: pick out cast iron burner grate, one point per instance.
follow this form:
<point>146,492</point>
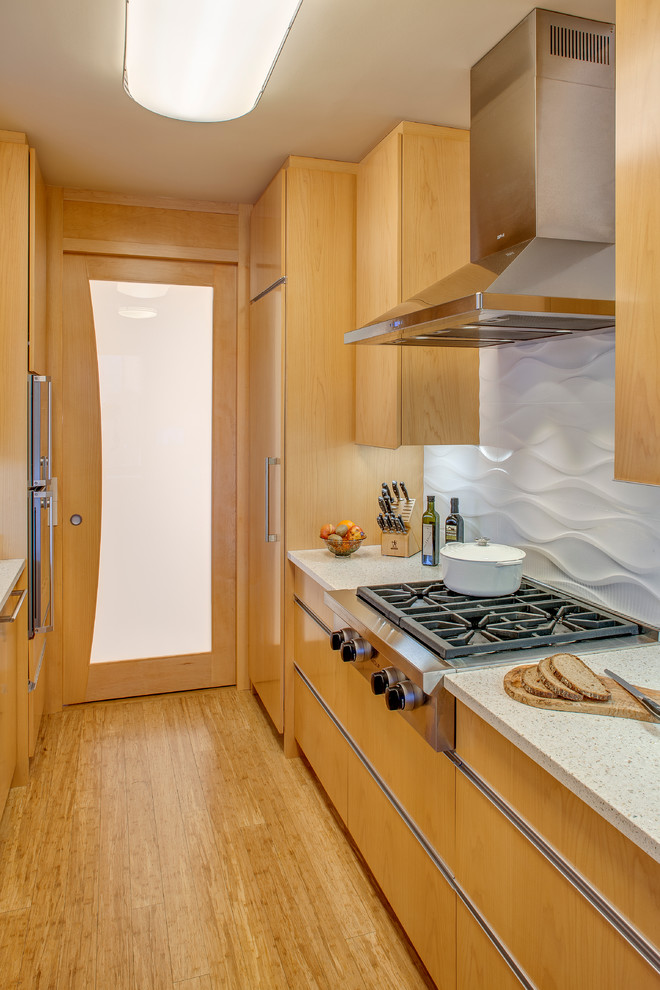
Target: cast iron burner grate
<point>454,625</point>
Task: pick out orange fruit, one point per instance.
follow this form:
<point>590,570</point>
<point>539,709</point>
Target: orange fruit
<point>345,522</point>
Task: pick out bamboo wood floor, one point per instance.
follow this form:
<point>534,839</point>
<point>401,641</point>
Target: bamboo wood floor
<point>167,843</point>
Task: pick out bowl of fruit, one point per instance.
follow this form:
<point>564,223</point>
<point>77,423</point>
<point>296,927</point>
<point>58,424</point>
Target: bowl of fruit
<point>342,539</point>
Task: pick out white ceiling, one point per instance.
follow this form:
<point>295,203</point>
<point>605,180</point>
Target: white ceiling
<point>349,71</point>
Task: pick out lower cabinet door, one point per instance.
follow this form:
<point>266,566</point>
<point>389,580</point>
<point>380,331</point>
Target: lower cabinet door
<point>478,963</point>
<point>420,896</point>
<point>558,938</point>
<point>8,698</point>
<point>323,745</point>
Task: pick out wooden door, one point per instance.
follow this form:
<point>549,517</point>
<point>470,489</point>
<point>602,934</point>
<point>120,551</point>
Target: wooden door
<point>80,497</point>
<point>266,539</point>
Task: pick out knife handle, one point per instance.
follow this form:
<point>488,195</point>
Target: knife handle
<point>381,522</point>
<point>381,503</point>
<point>405,491</point>
<point>395,489</point>
<point>386,491</point>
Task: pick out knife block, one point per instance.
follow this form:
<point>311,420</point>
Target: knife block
<point>400,544</point>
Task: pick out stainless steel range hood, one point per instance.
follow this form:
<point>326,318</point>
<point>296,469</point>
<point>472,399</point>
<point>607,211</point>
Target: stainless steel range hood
<point>541,196</point>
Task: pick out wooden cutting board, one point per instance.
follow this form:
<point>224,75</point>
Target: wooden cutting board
<point>621,704</point>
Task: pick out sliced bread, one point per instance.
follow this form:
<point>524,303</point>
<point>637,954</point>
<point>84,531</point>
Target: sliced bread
<point>575,674</point>
<point>533,684</point>
<point>552,682</point>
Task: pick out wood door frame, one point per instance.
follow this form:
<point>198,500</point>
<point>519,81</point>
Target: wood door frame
<point>85,681</point>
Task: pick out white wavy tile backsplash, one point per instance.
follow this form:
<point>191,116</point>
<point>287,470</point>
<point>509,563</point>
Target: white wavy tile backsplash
<point>542,478</point>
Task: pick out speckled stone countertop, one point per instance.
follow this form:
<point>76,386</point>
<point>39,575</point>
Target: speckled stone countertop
<point>10,571</point>
<point>612,764</point>
<point>366,566</point>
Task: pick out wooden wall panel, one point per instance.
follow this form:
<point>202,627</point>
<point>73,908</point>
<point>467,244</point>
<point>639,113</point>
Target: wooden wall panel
<point>637,431</point>
<point>110,228</point>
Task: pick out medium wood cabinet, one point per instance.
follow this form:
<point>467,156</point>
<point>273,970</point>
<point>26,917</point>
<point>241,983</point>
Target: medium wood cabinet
<point>23,343</point>
<point>305,385</point>
<point>637,418</point>
<point>266,562</point>
<point>413,227</point>
<point>423,781</point>
<point>548,925</point>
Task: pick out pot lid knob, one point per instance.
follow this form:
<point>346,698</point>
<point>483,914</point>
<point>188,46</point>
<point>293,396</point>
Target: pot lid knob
<point>482,541</point>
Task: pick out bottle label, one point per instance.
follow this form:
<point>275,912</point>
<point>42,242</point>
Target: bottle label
<point>428,543</point>
<point>451,532</point>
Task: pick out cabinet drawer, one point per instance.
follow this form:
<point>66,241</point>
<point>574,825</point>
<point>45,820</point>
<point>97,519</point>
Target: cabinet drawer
<point>557,936</point>
<point>322,743</point>
<point>615,866</point>
<point>478,963</point>
<point>423,780</point>
<point>321,665</point>
<point>421,897</point>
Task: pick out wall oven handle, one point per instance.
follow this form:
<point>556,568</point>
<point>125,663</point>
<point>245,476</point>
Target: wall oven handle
<point>269,537</point>
<point>16,593</point>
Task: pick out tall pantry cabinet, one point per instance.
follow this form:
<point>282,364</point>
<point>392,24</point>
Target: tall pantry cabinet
<point>22,343</point>
<point>304,467</point>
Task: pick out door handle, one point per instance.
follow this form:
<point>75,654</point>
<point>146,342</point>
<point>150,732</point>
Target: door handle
<point>269,537</point>
<point>16,593</point>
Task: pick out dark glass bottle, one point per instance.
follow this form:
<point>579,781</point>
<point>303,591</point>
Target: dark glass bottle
<point>430,533</point>
<point>454,525</point>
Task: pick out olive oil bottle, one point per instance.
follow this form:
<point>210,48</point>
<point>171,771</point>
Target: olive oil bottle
<point>454,525</point>
<point>430,533</point>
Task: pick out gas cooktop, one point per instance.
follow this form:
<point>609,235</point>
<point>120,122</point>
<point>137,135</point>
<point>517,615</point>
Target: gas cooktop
<point>454,625</point>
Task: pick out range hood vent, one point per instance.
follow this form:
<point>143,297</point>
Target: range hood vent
<point>541,196</point>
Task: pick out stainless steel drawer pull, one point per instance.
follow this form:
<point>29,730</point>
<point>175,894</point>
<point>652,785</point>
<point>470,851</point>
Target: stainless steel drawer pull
<point>269,537</point>
<point>16,593</point>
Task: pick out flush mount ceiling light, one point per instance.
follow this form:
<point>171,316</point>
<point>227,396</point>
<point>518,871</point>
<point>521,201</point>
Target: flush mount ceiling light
<point>137,312</point>
<point>203,60</point>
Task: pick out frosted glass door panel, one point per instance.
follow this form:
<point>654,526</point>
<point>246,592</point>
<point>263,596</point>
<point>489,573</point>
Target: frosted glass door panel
<point>155,350</point>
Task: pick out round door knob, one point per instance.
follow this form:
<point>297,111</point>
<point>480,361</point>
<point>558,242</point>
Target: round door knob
<point>75,519</point>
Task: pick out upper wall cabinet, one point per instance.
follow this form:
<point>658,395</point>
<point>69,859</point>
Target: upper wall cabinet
<point>37,357</point>
<point>267,237</point>
<point>637,434</point>
<point>413,228</point>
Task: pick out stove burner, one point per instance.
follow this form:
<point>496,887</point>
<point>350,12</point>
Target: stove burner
<point>454,625</point>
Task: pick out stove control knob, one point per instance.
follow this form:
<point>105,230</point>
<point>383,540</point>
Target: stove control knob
<point>357,649</point>
<point>341,636</point>
<point>381,680</point>
<point>403,696</point>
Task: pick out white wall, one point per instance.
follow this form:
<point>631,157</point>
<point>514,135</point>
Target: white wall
<point>542,478</point>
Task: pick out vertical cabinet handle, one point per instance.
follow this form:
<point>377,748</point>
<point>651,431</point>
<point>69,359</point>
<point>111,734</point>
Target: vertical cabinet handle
<point>269,537</point>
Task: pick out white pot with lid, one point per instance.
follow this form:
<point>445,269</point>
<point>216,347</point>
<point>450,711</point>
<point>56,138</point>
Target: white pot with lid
<point>482,569</point>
